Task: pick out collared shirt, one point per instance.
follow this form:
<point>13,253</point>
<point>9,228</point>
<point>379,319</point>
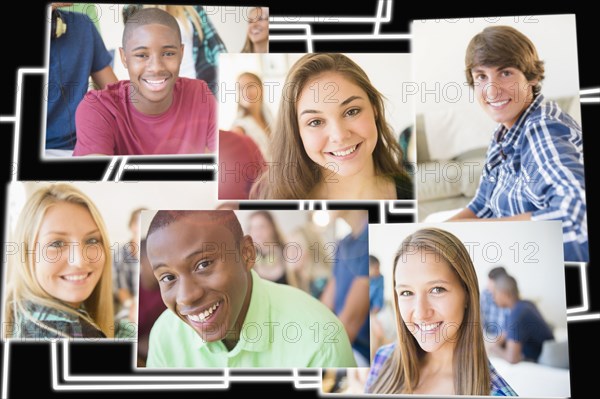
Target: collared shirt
<point>537,166</point>
<point>493,317</point>
<point>284,327</point>
<point>499,387</point>
<point>44,323</point>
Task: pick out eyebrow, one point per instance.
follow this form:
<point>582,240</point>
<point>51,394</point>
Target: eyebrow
<point>168,46</point>
<point>343,103</point>
<point>187,258</point>
<point>64,233</point>
<point>432,282</point>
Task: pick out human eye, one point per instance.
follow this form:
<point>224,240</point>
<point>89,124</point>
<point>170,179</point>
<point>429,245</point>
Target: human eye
<point>315,123</point>
<point>438,290</point>
<point>506,73</point>
<point>141,55</point>
<point>57,244</point>
<point>166,278</point>
<point>480,76</point>
<point>404,293</point>
<point>353,112</point>
<point>169,54</point>
<point>203,264</point>
<point>93,241</point>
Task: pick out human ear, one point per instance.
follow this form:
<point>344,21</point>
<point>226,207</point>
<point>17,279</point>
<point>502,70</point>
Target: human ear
<point>248,252</point>
<point>123,58</point>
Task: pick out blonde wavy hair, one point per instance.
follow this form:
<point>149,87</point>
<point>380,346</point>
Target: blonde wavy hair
<point>22,286</point>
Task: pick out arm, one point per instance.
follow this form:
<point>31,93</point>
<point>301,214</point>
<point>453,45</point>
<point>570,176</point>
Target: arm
<point>356,308</point>
<point>237,129</point>
<point>95,132</point>
<point>511,352</point>
<point>328,292</point>
<point>467,215</point>
<point>211,130</point>
<point>104,77</point>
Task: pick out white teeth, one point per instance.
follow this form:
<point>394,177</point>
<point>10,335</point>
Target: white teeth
<point>204,315</point>
<point>429,327</point>
<point>75,277</point>
<point>499,103</point>
<point>344,153</point>
<point>155,82</point>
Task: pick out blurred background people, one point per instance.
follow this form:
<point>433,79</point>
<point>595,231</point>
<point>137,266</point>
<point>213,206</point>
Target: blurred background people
<point>493,317</point>
<point>257,40</point>
<point>307,270</point>
<point>149,296</point>
<point>126,268</point>
<point>253,117</point>
<point>526,328</point>
<point>269,243</point>
<point>77,53</point>
<point>347,291</point>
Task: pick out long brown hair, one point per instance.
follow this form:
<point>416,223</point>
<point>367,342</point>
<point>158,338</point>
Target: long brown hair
<point>286,145</point>
<point>401,371</point>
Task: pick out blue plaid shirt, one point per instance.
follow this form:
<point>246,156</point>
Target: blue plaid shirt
<point>537,166</point>
<point>493,317</point>
<point>499,387</point>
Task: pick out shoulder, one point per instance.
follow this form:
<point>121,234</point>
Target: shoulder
<point>499,386</point>
<point>549,119</point>
<point>109,97</point>
<point>381,356</point>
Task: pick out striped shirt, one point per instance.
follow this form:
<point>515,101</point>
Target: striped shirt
<point>499,387</point>
<point>537,166</point>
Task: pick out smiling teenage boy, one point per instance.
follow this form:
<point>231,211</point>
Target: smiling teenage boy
<point>220,312</point>
<point>156,111</point>
<point>534,166</point>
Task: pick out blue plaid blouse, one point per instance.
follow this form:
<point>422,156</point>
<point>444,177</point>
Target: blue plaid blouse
<point>537,166</point>
<point>499,387</point>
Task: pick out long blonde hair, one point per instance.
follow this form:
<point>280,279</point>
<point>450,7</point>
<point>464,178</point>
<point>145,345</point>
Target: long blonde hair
<point>248,45</point>
<point>401,371</point>
<point>22,286</point>
<point>286,144</point>
<point>243,111</point>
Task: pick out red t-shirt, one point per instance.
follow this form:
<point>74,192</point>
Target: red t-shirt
<point>108,123</point>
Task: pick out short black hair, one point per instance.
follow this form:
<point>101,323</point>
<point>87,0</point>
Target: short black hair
<point>226,218</point>
<point>497,272</point>
<point>147,16</point>
<point>508,284</point>
<point>373,259</point>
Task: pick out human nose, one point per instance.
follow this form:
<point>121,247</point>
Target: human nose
<point>155,63</point>
<point>422,310</point>
<point>189,291</point>
<point>492,89</point>
<point>77,255</point>
<point>338,132</point>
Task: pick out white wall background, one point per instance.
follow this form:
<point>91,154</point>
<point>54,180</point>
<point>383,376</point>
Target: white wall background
<point>387,72</point>
<point>543,282</point>
<point>230,22</point>
<point>116,201</point>
<point>439,48</point>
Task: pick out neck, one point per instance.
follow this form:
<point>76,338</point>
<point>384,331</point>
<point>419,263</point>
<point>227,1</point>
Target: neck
<point>150,108</point>
<point>363,185</point>
<point>233,335</point>
<point>439,361</point>
<point>261,47</point>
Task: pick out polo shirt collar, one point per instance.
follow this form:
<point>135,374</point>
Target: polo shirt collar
<point>255,334</point>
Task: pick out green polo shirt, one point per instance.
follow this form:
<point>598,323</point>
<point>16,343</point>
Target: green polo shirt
<point>284,328</point>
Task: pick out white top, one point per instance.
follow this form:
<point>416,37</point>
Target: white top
<point>188,67</point>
